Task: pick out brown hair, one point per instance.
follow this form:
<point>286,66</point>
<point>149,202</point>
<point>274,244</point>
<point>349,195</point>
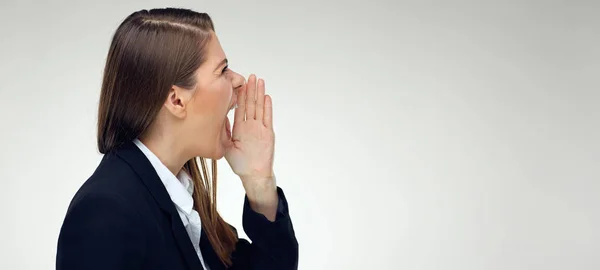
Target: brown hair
<point>151,51</point>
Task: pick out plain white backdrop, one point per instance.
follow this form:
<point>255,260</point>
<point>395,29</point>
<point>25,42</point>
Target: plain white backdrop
<point>410,135</point>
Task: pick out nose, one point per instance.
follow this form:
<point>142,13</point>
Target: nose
<point>237,80</point>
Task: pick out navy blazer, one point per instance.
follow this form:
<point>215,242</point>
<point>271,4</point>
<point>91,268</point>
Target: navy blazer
<point>123,218</point>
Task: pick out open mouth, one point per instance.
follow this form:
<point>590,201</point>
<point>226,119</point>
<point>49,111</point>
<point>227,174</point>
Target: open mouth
<point>228,127</point>
<point>227,122</point>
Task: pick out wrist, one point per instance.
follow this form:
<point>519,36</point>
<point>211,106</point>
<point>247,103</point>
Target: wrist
<point>261,192</point>
<point>259,187</point>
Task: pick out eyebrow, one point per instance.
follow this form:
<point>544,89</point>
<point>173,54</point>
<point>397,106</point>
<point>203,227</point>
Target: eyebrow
<point>223,62</point>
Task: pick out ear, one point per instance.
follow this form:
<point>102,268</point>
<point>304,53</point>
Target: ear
<point>177,101</point>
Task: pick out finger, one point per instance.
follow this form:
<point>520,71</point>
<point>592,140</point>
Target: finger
<point>260,99</point>
<point>251,98</point>
<point>241,105</point>
<point>268,118</point>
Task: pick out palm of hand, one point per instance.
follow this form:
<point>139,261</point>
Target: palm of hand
<point>252,151</point>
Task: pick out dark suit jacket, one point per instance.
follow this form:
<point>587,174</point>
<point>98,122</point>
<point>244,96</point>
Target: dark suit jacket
<point>123,218</point>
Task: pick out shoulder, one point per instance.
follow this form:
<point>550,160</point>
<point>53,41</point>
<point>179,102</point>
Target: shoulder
<point>103,197</point>
<point>104,205</point>
<point>101,206</point>
<point>105,223</point>
<point>114,179</point>
<point>113,191</point>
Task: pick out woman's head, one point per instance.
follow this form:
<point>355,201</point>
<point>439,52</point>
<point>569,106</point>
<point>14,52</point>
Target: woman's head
<point>166,75</point>
<point>166,78</point>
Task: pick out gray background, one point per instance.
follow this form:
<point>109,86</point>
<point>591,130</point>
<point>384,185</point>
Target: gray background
<point>410,135</point>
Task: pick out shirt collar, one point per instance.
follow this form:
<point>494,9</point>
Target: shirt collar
<point>180,187</point>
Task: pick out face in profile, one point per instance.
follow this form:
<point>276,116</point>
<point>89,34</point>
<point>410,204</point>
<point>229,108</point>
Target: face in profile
<point>206,128</point>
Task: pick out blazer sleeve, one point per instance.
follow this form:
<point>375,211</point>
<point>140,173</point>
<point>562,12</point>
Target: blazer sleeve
<point>274,244</point>
<point>100,232</point>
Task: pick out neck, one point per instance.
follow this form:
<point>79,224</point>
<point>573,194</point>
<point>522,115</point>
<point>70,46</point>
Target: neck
<point>170,153</point>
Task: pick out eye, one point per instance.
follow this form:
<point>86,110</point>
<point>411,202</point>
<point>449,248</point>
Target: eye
<point>225,69</point>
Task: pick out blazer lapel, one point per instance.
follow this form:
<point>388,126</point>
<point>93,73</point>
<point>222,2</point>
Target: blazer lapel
<point>131,154</point>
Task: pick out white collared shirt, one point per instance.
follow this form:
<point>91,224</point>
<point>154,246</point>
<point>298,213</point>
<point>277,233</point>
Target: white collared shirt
<point>180,189</point>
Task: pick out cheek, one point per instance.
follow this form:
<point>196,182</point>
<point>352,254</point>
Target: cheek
<point>222,99</point>
<point>214,101</point>
<point>211,107</point>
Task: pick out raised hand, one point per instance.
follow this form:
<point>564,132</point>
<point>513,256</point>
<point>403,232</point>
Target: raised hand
<point>252,152</point>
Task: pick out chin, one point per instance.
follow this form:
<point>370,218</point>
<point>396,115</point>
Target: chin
<point>213,157</point>
<point>219,152</point>
<point>218,156</point>
<point>216,152</point>
<point>217,149</point>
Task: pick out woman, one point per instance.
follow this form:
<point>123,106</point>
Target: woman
<point>151,204</point>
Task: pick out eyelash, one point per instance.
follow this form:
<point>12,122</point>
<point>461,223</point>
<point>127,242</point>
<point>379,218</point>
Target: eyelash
<point>224,69</point>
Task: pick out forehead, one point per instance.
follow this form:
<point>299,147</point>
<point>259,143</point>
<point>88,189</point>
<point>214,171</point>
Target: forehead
<point>214,51</point>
